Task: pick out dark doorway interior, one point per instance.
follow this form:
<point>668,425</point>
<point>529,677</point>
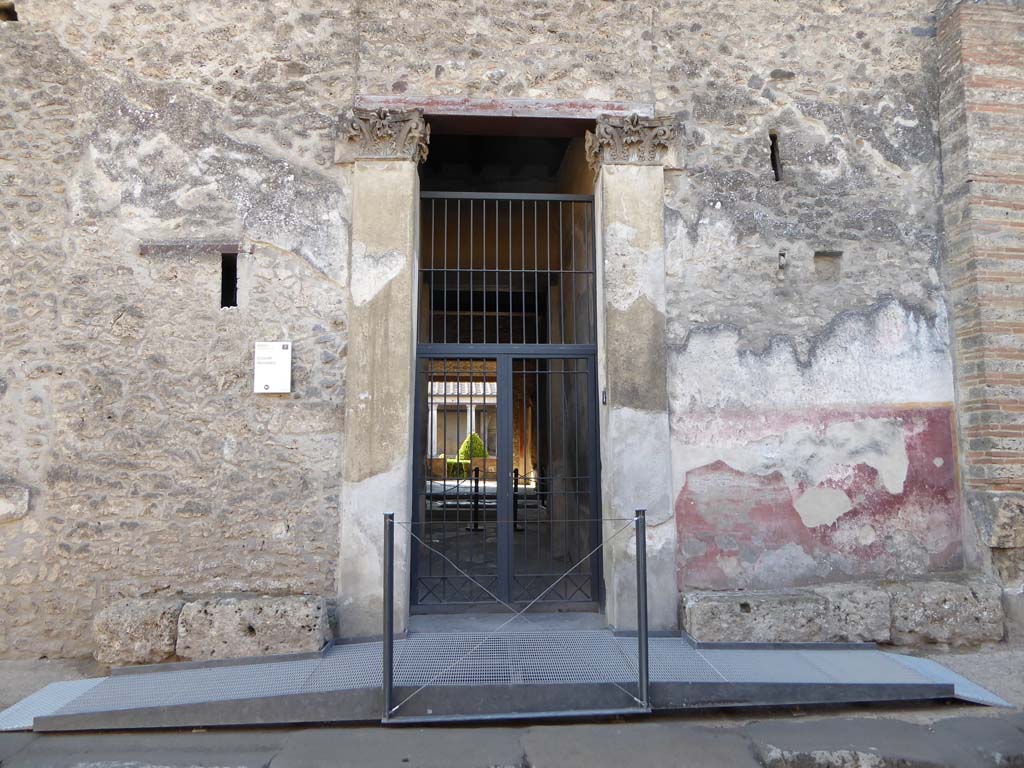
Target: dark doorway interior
<point>506,504</point>
<point>486,155</point>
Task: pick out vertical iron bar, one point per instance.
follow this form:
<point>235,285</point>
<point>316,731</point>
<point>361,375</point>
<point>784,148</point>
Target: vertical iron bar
<point>483,267</point>
<point>503,522</point>
<point>387,645</point>
<point>458,458</point>
<point>522,265</point>
<point>432,281</point>
<point>574,394</point>
<point>572,243</point>
<point>563,368</point>
<point>593,471</point>
<point>472,266</point>
<point>421,419</point>
<point>592,275</point>
<point>458,272</point>
<point>515,498</point>
<point>561,277</point>
<point>641,606</point>
<point>446,488</point>
<point>498,321</point>
<point>444,272</point>
<point>475,519</point>
<point>547,239</point>
<point>537,281</point>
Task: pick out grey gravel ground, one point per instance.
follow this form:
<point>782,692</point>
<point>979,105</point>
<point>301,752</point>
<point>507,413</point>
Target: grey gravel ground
<point>924,736</point>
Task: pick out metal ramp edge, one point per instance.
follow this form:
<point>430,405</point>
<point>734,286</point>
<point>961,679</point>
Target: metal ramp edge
<point>564,674</point>
<point>45,701</point>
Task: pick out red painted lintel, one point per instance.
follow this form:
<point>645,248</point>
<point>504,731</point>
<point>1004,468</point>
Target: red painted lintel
<point>580,109</point>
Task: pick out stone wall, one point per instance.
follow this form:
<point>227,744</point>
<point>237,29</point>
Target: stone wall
<point>811,391</point>
<point>810,397</point>
<point>982,86</point>
<point>126,405</point>
<point>982,81</point>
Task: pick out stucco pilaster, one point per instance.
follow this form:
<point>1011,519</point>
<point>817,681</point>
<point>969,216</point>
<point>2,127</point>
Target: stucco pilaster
<point>376,468</point>
<point>635,446</point>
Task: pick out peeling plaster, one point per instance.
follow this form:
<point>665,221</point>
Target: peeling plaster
<point>631,272</point>
<point>802,496</point>
<point>890,354</point>
<point>361,544</point>
<point>822,506</point>
<point>371,272</point>
<point>806,455</point>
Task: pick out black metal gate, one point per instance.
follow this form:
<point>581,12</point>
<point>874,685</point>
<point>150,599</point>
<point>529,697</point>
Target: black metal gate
<point>506,488</point>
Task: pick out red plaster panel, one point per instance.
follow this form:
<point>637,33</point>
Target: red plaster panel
<point>740,529</point>
<point>588,109</point>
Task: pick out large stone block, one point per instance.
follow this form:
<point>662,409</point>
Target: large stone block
<point>856,613</point>
<point>755,616</point>
<point>136,631</point>
<point>234,627</point>
<point>946,612</point>
<point>1013,607</point>
<point>13,501</point>
<point>830,613</point>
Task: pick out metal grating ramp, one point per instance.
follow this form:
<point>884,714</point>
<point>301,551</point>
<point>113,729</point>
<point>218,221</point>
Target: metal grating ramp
<point>963,688</point>
<point>45,701</point>
<point>484,676</point>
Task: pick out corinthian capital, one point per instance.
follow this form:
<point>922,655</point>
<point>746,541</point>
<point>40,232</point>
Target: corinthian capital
<point>632,140</point>
<point>383,133</point>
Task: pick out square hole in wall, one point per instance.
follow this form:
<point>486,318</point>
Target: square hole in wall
<point>228,280</point>
<point>775,155</point>
<point>7,11</point>
<point>828,266</point>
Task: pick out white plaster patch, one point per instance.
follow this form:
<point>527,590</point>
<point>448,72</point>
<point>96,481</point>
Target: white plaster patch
<point>363,505</point>
<point>371,272</point>
<point>90,187</point>
<point>787,563</point>
<point>890,356</point>
<point>804,454</point>
<point>630,272</point>
<point>866,535</point>
<point>822,506</point>
<point>635,447</point>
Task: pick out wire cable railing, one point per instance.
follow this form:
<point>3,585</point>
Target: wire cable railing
<point>637,523</point>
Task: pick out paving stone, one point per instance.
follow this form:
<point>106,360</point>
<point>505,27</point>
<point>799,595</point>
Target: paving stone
<point>664,744</point>
<point>413,747</point>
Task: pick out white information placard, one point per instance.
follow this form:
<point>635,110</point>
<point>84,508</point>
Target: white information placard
<point>272,367</point>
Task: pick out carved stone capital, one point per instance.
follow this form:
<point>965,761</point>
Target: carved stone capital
<point>388,134</point>
<point>632,140</point>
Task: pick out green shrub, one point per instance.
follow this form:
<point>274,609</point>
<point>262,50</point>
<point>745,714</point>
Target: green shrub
<point>472,448</point>
<point>457,468</point>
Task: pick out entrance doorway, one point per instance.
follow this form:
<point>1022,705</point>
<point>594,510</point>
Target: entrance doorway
<point>506,503</point>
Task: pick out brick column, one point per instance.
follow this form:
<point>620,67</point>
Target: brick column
<point>376,467</point>
<point>981,48</point>
<point>635,445</point>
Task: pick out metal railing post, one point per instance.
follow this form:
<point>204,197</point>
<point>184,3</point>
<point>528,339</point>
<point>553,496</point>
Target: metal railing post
<point>641,607</point>
<point>388,640</point>
<point>474,518</point>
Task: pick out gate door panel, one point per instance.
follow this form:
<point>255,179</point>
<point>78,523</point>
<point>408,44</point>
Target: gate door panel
<point>507,472</point>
